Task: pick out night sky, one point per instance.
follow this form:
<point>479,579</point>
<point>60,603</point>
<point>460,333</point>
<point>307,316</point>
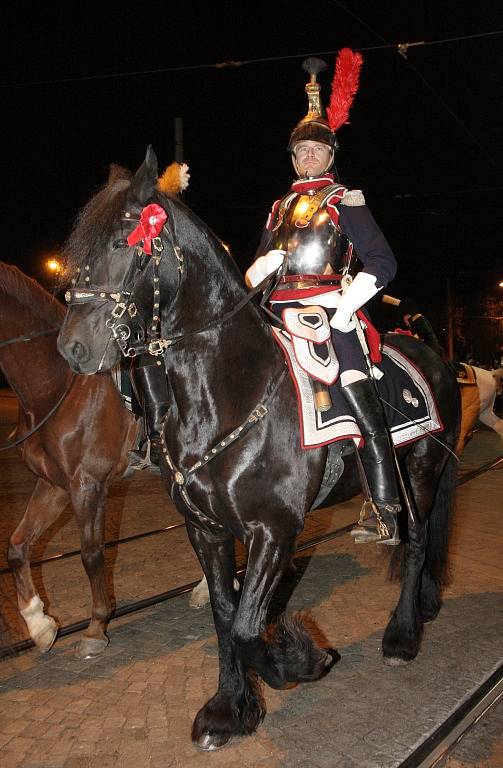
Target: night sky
<point>83,88</point>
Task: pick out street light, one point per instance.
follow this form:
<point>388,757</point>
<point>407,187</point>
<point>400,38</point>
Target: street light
<point>53,265</point>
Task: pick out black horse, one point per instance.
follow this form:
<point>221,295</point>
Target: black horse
<point>234,464</point>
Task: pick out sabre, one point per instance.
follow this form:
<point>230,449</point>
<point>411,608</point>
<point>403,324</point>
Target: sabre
<point>345,283</point>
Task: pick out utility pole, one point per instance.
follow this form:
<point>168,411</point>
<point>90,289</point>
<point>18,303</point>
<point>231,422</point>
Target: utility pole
<point>450,321</point>
<point>179,139</point>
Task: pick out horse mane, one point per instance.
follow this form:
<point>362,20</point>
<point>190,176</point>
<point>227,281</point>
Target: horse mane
<point>94,223</point>
<point>28,293</point>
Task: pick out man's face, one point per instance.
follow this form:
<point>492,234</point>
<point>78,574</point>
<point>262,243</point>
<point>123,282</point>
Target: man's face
<point>311,157</point>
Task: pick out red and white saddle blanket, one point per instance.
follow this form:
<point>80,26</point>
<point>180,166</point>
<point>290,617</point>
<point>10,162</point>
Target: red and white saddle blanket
<point>408,401</point>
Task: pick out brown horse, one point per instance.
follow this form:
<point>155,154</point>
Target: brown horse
<point>74,454</point>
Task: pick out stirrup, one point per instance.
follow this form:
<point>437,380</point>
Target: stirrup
<point>377,525</point>
<point>139,461</point>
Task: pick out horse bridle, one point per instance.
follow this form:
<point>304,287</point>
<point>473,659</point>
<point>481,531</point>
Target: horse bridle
<point>154,344</point>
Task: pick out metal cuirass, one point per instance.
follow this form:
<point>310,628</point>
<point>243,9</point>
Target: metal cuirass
<point>314,245</point>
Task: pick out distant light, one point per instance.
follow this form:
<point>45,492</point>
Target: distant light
<point>500,283</point>
<point>53,265</point>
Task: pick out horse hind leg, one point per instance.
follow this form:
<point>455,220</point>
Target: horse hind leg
<point>286,653</point>
<point>201,594</point>
<point>44,507</point>
<point>425,563</point>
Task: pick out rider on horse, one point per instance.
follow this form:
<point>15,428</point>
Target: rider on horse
<point>311,240</point>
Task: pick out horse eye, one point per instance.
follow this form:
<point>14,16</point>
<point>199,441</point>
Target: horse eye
<point>122,243</point>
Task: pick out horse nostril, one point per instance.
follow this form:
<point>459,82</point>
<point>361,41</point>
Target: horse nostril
<point>80,352</point>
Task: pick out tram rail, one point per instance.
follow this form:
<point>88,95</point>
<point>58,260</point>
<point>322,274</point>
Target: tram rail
<point>147,602</point>
<point>464,478</point>
<point>433,749</point>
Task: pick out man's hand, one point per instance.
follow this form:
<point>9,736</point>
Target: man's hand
<point>263,266</point>
<point>355,296</point>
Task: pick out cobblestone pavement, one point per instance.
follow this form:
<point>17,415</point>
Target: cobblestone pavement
<point>135,704</point>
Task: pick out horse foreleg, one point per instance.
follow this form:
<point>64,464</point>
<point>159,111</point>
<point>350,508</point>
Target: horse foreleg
<point>237,707</point>
<point>44,507</point>
<point>288,654</point>
<point>89,501</point>
<point>489,418</point>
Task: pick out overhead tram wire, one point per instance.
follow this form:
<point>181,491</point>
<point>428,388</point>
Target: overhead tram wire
<point>399,47</point>
<point>402,49</point>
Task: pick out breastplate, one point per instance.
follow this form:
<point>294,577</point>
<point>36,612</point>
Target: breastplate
<point>313,244</point>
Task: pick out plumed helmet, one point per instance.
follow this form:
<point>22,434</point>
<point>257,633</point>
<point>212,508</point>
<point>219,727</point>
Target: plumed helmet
<point>318,125</point>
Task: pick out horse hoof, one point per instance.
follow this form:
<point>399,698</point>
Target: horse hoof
<point>209,742</point>
<point>331,657</point>
<point>200,595</point>
<point>44,639</point>
<point>90,647</point>
<point>395,661</point>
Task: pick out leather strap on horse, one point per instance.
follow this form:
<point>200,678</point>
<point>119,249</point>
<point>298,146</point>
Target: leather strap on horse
<point>46,418</point>
<point>29,336</point>
<point>180,479</point>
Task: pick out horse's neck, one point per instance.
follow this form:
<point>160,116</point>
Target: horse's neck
<point>37,374</point>
<point>219,377</point>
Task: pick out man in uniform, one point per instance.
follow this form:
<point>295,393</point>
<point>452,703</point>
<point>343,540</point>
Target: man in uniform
<point>310,241</point>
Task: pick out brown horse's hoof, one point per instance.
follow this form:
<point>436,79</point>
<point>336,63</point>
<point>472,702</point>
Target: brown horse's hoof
<point>209,742</point>
<point>90,647</point>
<point>44,639</point>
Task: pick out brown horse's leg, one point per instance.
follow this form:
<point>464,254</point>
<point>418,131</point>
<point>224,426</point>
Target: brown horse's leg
<point>89,501</point>
<point>44,507</point>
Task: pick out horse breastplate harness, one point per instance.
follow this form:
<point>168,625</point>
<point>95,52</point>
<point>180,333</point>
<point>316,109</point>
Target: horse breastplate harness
<point>314,245</point>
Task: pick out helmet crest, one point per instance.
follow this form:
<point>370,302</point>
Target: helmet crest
<point>316,126</point>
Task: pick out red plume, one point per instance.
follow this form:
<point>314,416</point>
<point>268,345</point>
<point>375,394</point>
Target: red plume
<point>344,87</point>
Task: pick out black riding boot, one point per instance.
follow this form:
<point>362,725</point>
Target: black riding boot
<point>151,389</point>
<point>378,462</point>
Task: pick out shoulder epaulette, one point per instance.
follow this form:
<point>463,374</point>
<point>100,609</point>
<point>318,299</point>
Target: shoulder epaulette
<point>353,197</point>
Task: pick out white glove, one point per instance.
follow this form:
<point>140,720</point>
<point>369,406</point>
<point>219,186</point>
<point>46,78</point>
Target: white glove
<point>356,295</point>
<point>263,266</point>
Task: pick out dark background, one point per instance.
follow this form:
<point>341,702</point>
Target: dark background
<point>85,87</point>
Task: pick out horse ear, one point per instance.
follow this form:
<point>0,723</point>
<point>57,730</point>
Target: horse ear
<point>145,178</point>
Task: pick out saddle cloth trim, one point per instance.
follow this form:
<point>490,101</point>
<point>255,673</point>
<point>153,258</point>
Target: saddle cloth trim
<point>317,430</point>
<point>432,422</point>
<point>339,428</point>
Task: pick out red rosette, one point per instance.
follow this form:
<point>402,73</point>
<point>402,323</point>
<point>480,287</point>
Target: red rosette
<point>152,220</point>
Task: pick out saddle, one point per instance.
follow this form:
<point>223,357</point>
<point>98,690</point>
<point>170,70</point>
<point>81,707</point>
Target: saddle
<point>464,373</point>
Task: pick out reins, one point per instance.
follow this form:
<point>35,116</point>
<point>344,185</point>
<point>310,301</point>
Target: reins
<point>29,336</point>
<point>46,418</point>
